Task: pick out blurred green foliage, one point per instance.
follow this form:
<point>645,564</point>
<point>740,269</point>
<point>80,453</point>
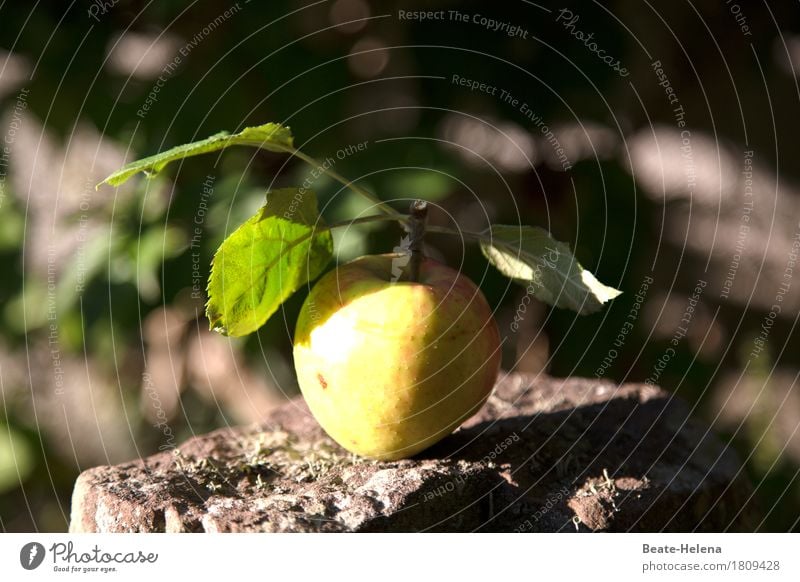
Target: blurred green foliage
<point>257,67</point>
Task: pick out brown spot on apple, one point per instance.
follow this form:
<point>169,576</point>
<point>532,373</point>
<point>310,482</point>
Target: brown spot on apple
<point>322,381</point>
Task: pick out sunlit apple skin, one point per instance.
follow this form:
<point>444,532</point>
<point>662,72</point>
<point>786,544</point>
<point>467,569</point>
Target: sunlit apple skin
<point>389,368</point>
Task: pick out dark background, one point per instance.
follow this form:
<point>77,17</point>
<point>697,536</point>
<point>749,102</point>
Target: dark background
<point>104,354</point>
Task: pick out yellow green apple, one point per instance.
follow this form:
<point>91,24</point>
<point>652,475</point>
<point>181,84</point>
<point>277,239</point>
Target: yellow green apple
<point>389,367</point>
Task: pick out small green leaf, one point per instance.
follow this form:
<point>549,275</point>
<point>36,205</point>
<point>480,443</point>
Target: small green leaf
<point>270,136</point>
<point>531,257</point>
<point>278,250</point>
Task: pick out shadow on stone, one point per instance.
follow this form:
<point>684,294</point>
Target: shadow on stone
<point>543,455</point>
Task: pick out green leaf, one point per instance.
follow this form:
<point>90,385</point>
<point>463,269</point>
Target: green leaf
<point>278,250</point>
<point>270,136</point>
<point>531,257</point>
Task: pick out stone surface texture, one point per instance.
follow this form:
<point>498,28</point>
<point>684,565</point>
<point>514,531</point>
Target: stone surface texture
<point>544,454</point>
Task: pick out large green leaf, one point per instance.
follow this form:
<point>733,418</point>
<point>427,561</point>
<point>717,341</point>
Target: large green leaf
<point>279,249</point>
<point>270,136</point>
<point>531,257</point>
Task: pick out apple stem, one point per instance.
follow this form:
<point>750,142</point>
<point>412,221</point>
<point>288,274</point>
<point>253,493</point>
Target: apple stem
<point>416,234</point>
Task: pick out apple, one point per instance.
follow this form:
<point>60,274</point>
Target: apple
<point>389,367</point>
